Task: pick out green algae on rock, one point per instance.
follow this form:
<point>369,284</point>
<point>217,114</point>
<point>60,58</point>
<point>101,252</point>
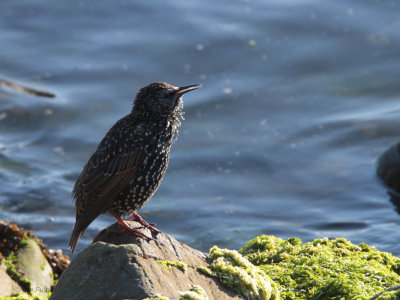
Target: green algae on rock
<point>323,268</point>
<point>23,297</point>
<point>12,238</point>
<point>168,264</point>
<point>239,274</point>
<point>392,293</point>
<point>156,297</point>
<point>196,292</point>
<point>205,271</point>
<point>12,271</point>
<point>28,262</point>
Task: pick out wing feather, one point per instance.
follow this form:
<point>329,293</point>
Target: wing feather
<point>99,185</point>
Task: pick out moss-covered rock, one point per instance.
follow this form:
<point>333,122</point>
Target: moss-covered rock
<point>322,269</point>
<point>392,293</point>
<point>26,264</point>
<point>33,265</point>
<point>119,265</point>
<point>237,273</point>
<point>7,285</point>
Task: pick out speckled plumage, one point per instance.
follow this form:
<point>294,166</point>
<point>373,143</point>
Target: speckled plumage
<point>131,160</point>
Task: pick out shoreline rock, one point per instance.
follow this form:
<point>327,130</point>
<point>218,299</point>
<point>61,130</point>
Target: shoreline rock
<point>28,268</point>
<point>119,266</point>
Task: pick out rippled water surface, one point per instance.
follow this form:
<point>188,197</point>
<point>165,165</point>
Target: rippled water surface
<point>299,99</point>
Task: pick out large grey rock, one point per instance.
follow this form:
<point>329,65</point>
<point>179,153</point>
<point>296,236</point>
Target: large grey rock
<point>121,266</point>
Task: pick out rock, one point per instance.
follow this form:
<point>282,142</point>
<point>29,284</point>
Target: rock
<point>7,285</point>
<point>268,267</point>
<point>32,265</point>
<point>120,266</point>
<point>26,272</point>
<point>27,266</point>
<point>388,167</point>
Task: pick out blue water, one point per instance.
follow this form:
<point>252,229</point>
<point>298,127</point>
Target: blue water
<point>299,99</point>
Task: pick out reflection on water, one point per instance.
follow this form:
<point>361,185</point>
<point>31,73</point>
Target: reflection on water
<point>298,101</point>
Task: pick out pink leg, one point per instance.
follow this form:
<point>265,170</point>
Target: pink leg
<point>130,229</point>
<point>140,220</point>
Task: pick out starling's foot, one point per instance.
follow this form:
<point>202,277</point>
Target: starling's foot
<point>135,220</point>
<point>139,219</point>
<point>126,227</point>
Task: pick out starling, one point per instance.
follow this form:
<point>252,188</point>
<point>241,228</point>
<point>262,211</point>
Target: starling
<point>131,160</point>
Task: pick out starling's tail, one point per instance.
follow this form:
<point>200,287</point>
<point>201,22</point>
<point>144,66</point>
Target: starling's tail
<point>82,222</point>
<point>75,236</point>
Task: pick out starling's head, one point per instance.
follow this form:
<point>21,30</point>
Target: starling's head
<point>160,98</point>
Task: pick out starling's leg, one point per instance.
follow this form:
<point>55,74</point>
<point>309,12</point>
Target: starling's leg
<point>143,222</point>
<point>130,229</point>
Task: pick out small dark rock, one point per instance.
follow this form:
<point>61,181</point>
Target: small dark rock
<point>388,167</point>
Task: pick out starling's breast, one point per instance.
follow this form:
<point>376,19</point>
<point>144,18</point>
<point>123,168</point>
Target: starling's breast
<point>147,179</point>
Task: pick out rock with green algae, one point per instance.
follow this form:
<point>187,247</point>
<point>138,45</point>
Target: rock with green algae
<point>27,264</point>
<point>156,297</point>
<point>29,271</point>
<point>118,265</point>
<point>322,269</point>
<point>196,292</point>
<point>33,265</point>
<point>168,264</point>
<point>392,293</point>
<point>24,297</point>
<point>237,273</point>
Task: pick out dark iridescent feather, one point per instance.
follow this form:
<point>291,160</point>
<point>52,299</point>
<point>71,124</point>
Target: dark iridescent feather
<point>131,160</point>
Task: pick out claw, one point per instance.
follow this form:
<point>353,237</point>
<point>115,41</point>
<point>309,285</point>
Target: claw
<point>130,229</point>
<point>139,219</point>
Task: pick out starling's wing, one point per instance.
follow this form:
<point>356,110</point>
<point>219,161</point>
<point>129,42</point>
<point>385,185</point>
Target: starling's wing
<point>103,183</point>
<point>99,185</point>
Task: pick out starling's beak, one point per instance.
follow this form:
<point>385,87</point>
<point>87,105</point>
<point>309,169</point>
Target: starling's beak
<point>184,89</point>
